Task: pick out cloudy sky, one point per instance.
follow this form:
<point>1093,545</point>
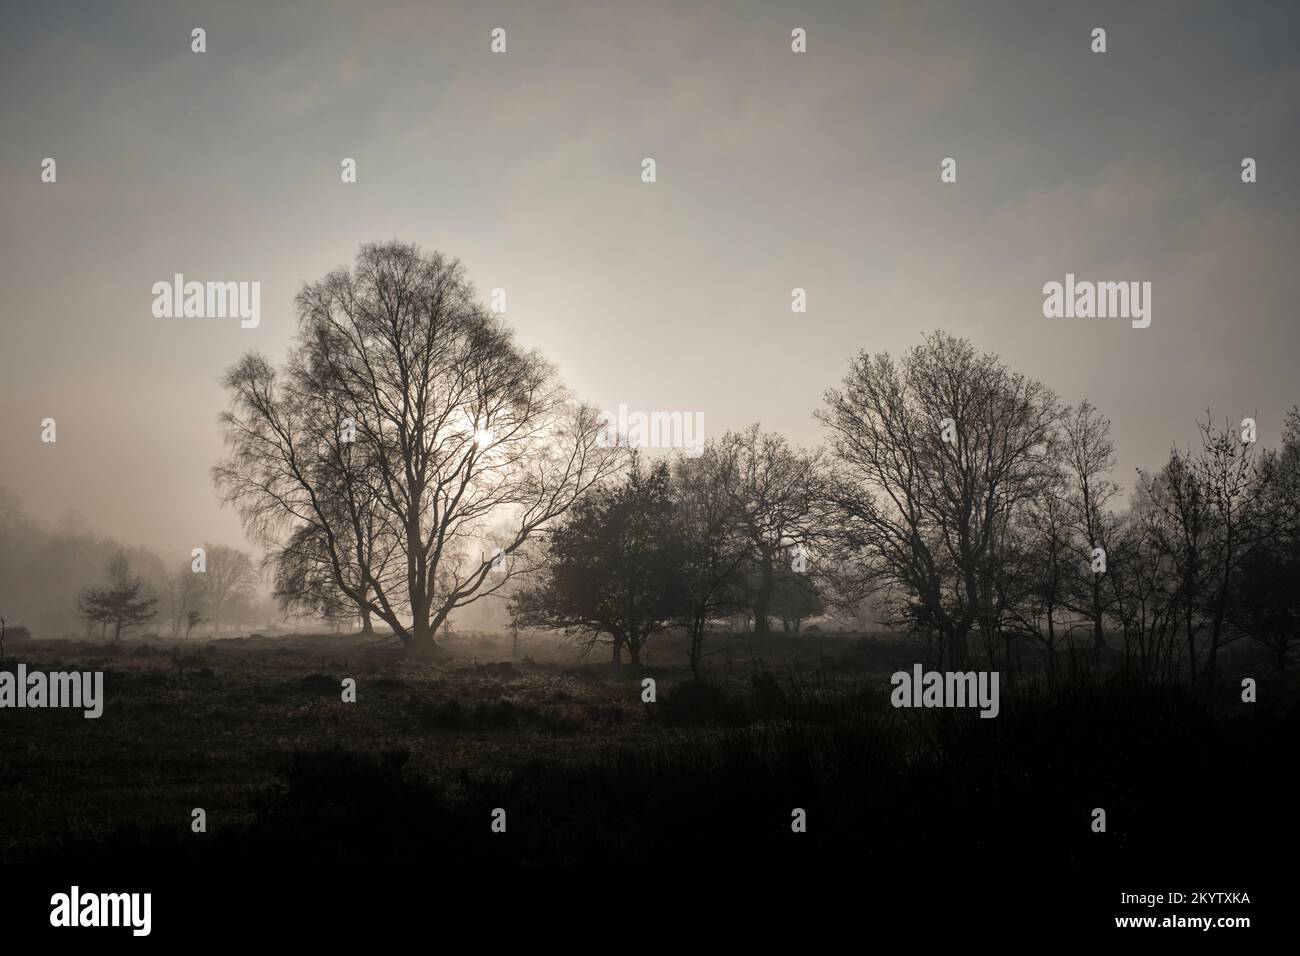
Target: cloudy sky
<point>775,170</point>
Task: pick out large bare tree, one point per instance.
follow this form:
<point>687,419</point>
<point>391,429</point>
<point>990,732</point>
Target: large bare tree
<point>404,403</point>
<point>933,455</point>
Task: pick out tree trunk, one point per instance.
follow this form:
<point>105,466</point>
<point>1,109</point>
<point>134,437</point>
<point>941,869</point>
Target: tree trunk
<point>764,597</point>
<point>618,650</point>
<point>1098,632</point>
<point>1051,641</point>
<point>957,647</point>
<point>367,626</point>
<point>421,643</point>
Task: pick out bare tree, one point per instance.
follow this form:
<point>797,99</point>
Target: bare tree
<point>182,592</point>
<point>1214,511</point>
<point>303,581</point>
<point>1034,577</point>
<point>404,403</point>
<point>716,554</point>
<point>770,493</point>
<point>933,454</point>
<point>230,574</point>
<point>1265,602</point>
<point>1243,517</point>
<point>1180,532</point>
<point>1142,574</point>
<point>1090,456</point>
<point>123,603</point>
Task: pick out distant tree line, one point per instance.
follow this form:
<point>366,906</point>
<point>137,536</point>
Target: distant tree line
<point>64,580</point>
<point>967,504</point>
<point>220,591</point>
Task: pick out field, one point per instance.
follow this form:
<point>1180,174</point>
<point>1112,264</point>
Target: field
<point>254,732</point>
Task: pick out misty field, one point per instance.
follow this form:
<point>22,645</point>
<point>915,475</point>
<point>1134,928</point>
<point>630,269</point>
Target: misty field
<point>254,731</point>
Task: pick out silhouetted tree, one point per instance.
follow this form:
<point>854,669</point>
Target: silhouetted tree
<point>183,593</point>
<point>923,514</point>
<point>403,400</point>
<point>615,566</point>
<point>1089,456</point>
<point>121,604</point>
<point>1264,604</point>
<point>302,579</point>
<point>716,554</point>
<point>771,492</point>
<point>1213,509</point>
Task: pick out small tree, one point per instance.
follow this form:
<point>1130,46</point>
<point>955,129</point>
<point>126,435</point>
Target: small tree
<point>121,604</point>
<point>615,567</point>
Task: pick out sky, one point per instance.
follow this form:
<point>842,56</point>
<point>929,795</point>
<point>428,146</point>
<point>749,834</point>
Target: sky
<point>774,170</point>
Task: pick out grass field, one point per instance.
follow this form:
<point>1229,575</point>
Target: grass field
<point>254,731</point>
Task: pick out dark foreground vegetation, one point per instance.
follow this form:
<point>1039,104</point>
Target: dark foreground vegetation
<point>254,731</point>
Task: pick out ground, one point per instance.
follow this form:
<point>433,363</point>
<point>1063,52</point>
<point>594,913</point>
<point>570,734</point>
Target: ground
<point>254,731</point>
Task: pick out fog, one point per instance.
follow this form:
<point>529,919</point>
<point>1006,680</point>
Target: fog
<point>818,171</point>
